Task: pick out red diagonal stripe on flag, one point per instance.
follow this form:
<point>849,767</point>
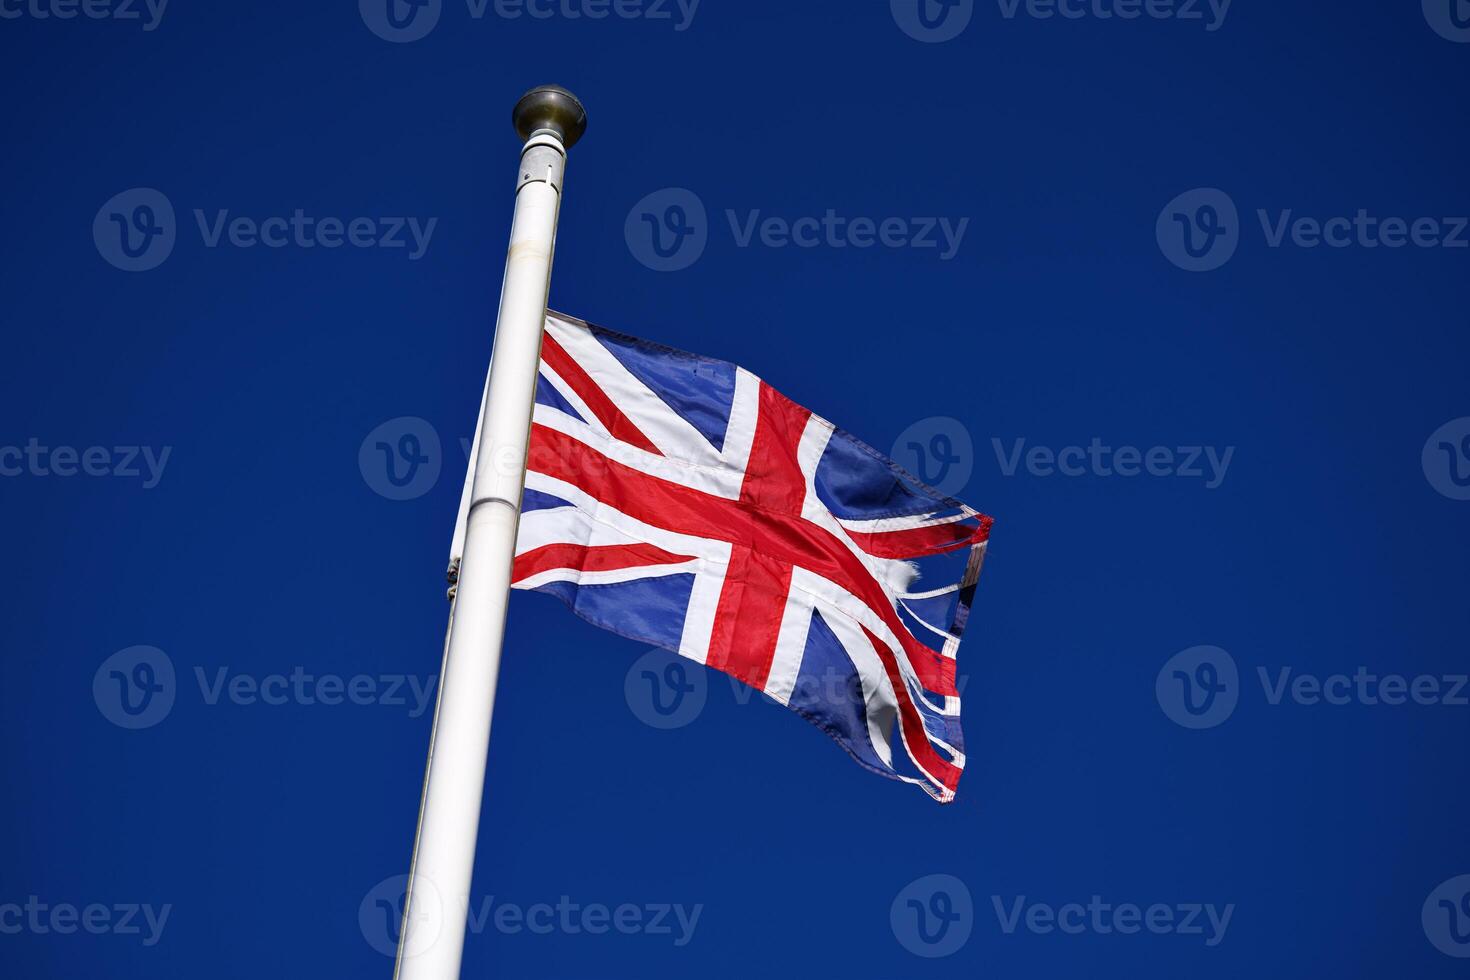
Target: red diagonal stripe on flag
<point>914,734</point>
<point>917,542</point>
<point>597,558</point>
<point>612,417</point>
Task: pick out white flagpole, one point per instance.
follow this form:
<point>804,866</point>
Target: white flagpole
<point>549,119</point>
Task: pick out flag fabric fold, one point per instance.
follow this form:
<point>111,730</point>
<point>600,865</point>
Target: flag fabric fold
<point>684,503</point>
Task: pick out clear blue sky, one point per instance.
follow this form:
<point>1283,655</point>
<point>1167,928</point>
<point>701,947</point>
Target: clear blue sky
<point>262,556</point>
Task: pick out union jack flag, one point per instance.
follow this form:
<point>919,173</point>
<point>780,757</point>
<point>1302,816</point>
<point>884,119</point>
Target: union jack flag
<point>682,502</point>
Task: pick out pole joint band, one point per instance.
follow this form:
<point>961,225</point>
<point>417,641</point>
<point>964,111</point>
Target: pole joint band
<point>543,158</point>
<point>474,504</point>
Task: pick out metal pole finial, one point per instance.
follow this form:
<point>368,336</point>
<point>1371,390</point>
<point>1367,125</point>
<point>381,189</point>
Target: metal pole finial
<point>553,109</point>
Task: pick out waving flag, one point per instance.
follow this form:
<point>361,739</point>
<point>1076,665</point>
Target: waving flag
<point>684,503</point>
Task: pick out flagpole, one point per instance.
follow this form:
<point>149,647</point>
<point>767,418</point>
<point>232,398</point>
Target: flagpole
<point>549,119</point>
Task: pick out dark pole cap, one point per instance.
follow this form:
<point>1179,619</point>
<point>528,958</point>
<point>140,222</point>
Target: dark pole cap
<point>553,108</point>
